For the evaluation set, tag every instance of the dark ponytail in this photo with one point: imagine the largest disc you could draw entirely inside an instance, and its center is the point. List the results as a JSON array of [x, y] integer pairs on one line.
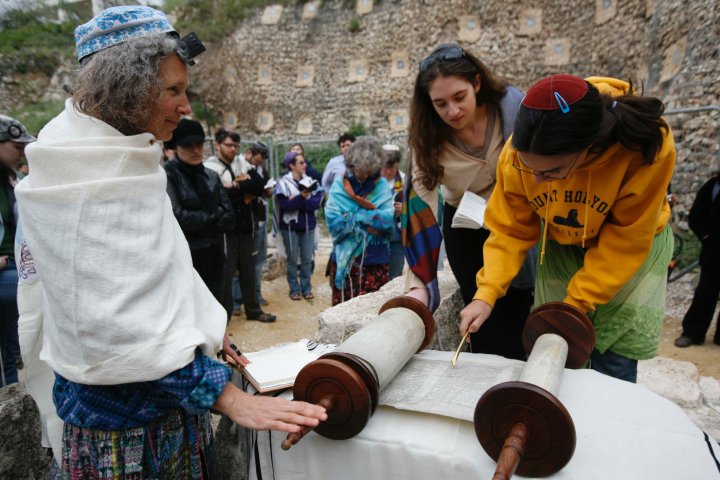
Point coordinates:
[[637, 124]]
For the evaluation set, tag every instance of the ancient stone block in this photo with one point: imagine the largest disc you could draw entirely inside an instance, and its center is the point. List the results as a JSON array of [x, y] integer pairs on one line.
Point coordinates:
[[265, 121], [672, 62], [271, 15], [357, 70], [363, 7], [363, 117], [530, 22], [469, 28], [399, 120], [22, 455], [557, 51], [230, 120], [304, 126], [310, 10], [305, 76], [399, 66], [264, 75], [605, 10]]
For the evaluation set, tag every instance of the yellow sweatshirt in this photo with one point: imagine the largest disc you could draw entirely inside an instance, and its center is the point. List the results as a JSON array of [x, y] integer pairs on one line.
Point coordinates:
[[616, 201]]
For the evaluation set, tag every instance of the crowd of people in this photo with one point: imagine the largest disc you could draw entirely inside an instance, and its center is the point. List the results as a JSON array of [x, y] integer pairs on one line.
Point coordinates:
[[125, 242]]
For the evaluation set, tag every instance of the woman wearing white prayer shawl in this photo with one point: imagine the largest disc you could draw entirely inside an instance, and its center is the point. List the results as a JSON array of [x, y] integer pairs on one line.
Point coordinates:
[[115, 324]]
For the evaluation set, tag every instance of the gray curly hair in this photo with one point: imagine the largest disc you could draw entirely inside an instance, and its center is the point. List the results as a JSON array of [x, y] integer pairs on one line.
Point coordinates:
[[366, 154], [120, 84]]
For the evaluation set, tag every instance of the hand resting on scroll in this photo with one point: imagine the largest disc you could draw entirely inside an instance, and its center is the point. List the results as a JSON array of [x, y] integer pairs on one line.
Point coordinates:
[[267, 413]]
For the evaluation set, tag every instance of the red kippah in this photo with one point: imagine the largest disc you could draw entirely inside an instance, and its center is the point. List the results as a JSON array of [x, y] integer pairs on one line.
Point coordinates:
[[558, 91]]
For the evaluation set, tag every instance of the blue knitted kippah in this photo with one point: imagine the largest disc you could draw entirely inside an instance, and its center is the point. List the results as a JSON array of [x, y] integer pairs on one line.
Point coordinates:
[[118, 24]]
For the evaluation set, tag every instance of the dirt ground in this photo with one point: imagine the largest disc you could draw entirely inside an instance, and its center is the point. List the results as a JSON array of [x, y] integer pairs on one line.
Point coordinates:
[[297, 319]]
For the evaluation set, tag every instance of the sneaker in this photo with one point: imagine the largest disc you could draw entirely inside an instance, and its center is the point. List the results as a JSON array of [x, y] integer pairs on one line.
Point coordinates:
[[264, 317], [684, 341]]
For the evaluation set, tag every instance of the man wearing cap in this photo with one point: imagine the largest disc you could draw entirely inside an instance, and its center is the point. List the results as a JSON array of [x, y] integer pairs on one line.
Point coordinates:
[[244, 185], [13, 139], [200, 204], [118, 331]]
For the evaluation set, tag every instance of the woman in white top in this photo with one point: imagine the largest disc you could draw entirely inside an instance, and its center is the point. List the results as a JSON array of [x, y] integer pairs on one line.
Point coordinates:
[[460, 118]]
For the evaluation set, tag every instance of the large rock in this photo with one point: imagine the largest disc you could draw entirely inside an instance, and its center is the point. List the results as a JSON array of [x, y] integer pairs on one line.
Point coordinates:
[[339, 322], [21, 455]]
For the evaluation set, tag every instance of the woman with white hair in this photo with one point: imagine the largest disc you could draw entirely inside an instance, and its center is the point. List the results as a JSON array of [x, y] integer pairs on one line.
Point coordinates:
[[114, 308], [359, 215]]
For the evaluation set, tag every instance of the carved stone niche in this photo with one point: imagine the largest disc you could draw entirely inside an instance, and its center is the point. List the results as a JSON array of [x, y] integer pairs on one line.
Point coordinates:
[[357, 70], [363, 7], [557, 51], [230, 120], [304, 125], [264, 75], [363, 117], [605, 10], [271, 15], [305, 76], [265, 121], [399, 120], [400, 66], [530, 22], [230, 75], [310, 10], [469, 29], [672, 63]]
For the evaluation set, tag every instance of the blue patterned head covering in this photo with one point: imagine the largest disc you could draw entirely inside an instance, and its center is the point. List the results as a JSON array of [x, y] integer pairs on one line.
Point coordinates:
[[118, 24]]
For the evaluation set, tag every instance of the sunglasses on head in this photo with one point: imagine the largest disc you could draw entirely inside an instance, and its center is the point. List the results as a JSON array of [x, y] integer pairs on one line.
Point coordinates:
[[450, 53]]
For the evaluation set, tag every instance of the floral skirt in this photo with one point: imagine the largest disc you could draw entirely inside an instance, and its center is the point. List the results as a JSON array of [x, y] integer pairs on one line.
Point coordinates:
[[175, 446], [360, 281]]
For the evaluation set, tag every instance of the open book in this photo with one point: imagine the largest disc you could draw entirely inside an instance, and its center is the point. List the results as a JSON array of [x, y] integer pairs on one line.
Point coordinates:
[[275, 368], [270, 183], [308, 184], [470, 213]]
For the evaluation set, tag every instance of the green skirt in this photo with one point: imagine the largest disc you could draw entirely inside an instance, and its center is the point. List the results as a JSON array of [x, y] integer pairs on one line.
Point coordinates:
[[630, 324]]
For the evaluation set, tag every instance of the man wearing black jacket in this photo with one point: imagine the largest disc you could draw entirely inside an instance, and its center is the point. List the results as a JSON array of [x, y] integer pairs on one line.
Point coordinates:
[[704, 221], [243, 185], [200, 204]]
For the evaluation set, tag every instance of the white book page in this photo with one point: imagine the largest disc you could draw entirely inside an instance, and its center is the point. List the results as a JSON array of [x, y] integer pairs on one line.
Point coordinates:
[[280, 365], [470, 212]]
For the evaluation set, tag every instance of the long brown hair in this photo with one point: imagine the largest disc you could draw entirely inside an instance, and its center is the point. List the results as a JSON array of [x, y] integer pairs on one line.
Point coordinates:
[[428, 132]]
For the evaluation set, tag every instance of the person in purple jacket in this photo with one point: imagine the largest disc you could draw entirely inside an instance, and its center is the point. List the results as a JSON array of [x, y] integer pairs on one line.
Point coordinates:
[[298, 196]]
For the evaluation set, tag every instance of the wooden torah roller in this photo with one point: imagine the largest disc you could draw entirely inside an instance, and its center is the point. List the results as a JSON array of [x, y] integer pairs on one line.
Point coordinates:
[[348, 380], [521, 424]]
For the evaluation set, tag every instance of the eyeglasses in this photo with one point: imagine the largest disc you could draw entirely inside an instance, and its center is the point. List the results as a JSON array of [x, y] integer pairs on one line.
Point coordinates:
[[520, 165], [231, 145], [452, 52]]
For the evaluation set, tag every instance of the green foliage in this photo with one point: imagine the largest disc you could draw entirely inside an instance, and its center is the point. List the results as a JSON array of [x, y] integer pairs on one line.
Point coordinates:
[[690, 249], [31, 39], [205, 115], [213, 19], [354, 25], [358, 128], [35, 116]]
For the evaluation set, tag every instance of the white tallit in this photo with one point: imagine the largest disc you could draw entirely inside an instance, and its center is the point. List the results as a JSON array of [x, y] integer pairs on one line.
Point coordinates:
[[120, 301]]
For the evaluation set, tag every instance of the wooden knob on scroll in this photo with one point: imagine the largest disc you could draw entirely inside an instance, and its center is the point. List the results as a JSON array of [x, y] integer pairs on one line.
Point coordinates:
[[295, 437]]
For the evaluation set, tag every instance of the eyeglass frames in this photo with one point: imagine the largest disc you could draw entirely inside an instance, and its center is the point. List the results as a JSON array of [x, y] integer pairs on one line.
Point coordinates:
[[518, 163], [452, 52]]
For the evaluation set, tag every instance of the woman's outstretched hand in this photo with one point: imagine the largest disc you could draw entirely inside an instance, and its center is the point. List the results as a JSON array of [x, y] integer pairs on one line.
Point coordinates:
[[259, 412], [473, 316]]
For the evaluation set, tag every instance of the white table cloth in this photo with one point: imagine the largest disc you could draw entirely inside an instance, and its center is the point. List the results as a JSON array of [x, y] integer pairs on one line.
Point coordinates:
[[624, 431]]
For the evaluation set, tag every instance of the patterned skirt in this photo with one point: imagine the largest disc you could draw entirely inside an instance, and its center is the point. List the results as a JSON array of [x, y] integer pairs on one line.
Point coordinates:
[[360, 281], [175, 446]]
